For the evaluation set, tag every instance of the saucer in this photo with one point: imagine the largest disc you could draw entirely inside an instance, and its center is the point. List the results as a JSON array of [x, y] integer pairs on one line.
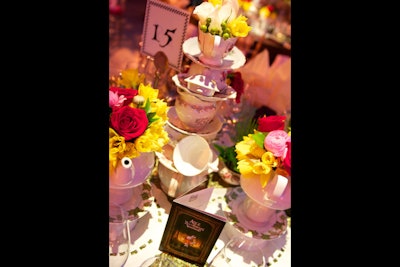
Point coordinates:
[[166, 158], [226, 93], [212, 128], [234, 60], [140, 203], [273, 229]]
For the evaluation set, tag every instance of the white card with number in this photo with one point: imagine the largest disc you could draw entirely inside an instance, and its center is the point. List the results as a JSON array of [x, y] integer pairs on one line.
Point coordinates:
[[164, 30]]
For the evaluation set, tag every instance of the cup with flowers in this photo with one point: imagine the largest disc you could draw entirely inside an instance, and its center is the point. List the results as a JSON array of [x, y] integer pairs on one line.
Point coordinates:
[[264, 162], [136, 128], [220, 24]]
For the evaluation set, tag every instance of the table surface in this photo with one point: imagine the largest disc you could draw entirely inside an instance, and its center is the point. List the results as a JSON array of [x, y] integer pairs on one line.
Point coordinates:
[[146, 234]]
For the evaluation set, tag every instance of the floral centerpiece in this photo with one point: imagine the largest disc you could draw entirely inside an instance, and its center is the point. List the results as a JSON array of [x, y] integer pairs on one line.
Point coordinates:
[[221, 17], [219, 24], [137, 118], [266, 150]]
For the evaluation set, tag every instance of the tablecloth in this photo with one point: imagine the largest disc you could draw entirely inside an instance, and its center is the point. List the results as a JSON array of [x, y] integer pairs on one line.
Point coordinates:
[[147, 233]]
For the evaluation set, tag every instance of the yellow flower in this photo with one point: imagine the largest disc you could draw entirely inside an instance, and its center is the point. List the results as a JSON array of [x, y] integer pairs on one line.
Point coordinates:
[[148, 92], [268, 158], [239, 27], [245, 5], [118, 148], [253, 159], [245, 166], [249, 167], [160, 107], [130, 78], [215, 2], [264, 12], [221, 18], [154, 138]]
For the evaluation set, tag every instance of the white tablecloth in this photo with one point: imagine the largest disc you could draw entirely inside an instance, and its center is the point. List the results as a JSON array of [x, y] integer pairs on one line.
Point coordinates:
[[147, 233]]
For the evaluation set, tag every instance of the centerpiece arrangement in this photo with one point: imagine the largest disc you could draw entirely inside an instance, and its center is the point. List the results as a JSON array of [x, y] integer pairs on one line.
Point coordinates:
[[220, 24], [137, 118], [205, 85], [263, 160], [136, 132], [265, 151]]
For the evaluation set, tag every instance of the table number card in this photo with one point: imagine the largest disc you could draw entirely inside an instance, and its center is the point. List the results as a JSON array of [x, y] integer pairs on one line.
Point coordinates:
[[191, 232], [164, 30]]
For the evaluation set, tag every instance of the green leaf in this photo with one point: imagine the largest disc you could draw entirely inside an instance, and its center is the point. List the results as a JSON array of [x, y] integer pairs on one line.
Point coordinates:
[[244, 128], [228, 156], [259, 138], [147, 106]]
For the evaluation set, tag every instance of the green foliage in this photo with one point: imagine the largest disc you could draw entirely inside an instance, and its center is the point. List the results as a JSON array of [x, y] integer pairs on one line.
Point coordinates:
[[244, 128], [228, 155], [150, 115], [259, 138]]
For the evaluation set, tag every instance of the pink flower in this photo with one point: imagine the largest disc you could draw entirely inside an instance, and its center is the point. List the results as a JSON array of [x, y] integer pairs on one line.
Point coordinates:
[[128, 93], [114, 100], [275, 142]]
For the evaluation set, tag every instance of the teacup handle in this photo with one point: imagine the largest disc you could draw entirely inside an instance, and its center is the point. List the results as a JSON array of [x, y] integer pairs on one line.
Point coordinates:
[[276, 187]]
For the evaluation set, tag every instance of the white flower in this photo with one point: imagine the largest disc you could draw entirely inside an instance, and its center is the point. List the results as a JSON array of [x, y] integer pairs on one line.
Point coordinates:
[[218, 11]]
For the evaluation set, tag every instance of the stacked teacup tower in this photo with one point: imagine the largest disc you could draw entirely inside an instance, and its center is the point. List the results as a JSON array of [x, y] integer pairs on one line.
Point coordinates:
[[202, 89]]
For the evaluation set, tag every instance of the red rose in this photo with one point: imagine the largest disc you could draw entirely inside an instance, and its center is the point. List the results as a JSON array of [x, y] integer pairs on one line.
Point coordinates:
[[129, 122], [271, 123], [287, 162], [237, 83], [128, 93]]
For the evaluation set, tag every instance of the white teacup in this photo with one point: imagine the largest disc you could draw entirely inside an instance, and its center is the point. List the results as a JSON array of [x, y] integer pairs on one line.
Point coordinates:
[[193, 112], [192, 155], [214, 48]]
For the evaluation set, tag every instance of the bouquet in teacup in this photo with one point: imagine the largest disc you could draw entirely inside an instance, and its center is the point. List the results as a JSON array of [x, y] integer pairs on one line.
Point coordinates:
[[221, 17], [137, 117], [266, 150]]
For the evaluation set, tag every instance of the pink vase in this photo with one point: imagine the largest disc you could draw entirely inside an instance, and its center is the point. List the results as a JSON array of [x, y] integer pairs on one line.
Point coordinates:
[[261, 203]]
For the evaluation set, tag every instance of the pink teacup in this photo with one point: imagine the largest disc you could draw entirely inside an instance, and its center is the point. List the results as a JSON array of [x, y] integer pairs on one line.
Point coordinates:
[[214, 48]]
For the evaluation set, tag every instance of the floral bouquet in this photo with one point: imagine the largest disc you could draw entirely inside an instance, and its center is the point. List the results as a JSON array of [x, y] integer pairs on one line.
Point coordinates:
[[137, 118], [221, 17], [266, 150]]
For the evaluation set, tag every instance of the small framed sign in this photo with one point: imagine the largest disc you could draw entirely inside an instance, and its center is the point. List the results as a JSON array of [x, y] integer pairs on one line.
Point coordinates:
[[191, 232], [164, 30]]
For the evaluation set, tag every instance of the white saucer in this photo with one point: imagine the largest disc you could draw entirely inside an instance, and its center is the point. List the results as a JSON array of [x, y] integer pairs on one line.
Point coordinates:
[[225, 94], [234, 60], [212, 128], [273, 229], [165, 157], [140, 203]]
